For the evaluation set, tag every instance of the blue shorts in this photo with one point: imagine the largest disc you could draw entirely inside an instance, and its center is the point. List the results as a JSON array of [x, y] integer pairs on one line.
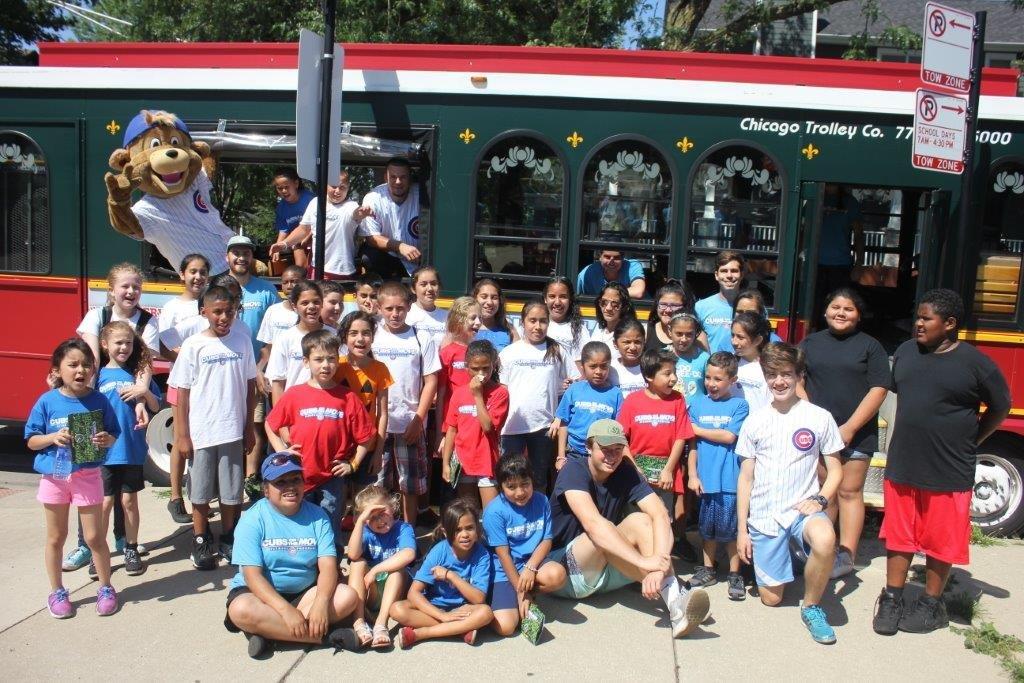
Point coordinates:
[[582, 585], [503, 596], [773, 558], [330, 496], [717, 519]]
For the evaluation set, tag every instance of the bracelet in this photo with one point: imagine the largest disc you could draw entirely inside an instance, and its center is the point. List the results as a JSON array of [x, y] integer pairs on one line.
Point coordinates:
[[446, 574], [532, 569]]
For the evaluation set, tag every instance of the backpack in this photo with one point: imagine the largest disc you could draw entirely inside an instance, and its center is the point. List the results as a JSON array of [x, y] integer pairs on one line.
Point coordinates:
[[107, 314]]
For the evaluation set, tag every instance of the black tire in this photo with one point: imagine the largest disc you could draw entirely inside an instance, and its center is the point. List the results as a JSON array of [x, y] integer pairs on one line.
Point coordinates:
[[997, 506]]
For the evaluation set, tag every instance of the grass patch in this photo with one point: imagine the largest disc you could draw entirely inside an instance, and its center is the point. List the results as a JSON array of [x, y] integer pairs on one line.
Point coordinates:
[[162, 492], [986, 639], [983, 540]]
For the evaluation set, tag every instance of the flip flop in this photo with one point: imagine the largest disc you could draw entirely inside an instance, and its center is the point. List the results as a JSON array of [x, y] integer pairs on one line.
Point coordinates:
[[381, 638]]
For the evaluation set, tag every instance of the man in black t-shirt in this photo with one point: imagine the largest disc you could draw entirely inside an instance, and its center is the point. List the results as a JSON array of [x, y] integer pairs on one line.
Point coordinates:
[[602, 547], [941, 384]]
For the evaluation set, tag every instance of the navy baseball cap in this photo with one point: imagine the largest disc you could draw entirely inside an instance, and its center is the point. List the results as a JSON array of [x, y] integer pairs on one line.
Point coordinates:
[[279, 464], [137, 126]]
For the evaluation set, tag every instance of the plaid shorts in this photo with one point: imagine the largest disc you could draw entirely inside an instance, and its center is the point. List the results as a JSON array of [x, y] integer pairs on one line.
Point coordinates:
[[404, 467]]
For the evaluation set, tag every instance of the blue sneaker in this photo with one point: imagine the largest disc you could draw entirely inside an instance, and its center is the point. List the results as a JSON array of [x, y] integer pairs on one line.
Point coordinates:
[[119, 544], [76, 559], [817, 623]]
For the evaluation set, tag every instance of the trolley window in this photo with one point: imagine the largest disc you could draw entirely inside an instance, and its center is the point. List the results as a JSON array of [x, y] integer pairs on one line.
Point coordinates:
[[736, 203], [518, 222], [1002, 243], [25, 198], [627, 207]]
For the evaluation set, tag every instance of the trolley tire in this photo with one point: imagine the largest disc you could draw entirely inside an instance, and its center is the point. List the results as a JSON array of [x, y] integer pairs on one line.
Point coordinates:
[[997, 506], [160, 439]]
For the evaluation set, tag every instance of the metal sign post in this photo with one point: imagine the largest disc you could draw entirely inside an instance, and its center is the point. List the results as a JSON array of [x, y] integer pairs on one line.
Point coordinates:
[[963, 272]]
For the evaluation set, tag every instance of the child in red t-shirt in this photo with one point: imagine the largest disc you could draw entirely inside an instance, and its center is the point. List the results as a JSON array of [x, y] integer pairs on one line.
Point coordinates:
[[657, 427], [462, 325], [476, 413], [326, 424]]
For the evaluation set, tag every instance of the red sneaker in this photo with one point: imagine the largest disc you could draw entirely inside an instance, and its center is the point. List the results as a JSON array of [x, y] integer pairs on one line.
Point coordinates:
[[406, 637], [348, 523], [470, 637]]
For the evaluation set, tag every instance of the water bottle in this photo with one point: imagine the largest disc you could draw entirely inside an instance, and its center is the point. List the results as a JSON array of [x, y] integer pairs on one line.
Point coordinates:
[[62, 464]]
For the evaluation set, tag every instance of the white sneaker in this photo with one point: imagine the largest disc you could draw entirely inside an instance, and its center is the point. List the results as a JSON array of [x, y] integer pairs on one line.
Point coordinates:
[[688, 611], [843, 565]]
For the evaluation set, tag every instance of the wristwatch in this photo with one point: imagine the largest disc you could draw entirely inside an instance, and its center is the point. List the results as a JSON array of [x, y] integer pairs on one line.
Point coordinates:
[[820, 500]]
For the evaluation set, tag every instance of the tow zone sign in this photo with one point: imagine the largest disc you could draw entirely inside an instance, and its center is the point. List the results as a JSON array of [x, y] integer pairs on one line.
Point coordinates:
[[940, 121], [948, 47]]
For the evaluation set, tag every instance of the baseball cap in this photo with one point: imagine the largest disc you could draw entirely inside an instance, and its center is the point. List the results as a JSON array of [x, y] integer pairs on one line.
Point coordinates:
[[137, 126], [279, 464], [606, 433], [241, 241]]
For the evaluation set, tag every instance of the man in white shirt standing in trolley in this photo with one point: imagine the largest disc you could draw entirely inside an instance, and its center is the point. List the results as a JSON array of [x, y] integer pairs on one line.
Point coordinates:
[[778, 500], [392, 227]]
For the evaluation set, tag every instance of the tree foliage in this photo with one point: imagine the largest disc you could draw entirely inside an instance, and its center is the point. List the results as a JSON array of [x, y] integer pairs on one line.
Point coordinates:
[[586, 23], [23, 22], [742, 17]]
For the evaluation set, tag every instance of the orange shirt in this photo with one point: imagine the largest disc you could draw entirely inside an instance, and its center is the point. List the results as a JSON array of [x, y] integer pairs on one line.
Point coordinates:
[[367, 382]]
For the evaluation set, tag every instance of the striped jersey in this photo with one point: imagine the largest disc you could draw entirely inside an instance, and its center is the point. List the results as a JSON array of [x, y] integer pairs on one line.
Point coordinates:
[[399, 222], [184, 224], [785, 449]]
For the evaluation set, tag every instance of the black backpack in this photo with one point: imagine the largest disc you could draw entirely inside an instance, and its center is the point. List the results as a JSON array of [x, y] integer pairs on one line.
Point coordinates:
[[107, 313]]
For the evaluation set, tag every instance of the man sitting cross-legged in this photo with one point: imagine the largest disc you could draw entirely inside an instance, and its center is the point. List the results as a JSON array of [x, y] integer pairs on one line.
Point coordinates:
[[602, 547]]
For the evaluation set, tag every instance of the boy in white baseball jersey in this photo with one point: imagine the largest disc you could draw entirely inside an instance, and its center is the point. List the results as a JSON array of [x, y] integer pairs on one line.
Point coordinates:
[[778, 500]]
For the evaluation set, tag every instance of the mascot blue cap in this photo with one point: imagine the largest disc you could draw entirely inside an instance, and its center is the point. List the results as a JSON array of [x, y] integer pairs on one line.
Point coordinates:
[[137, 126]]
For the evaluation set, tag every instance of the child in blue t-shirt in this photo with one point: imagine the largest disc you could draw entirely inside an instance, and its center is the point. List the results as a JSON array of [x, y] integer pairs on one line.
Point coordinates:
[[518, 528], [684, 328], [124, 358], [716, 311], [714, 468], [452, 581], [585, 402], [70, 468], [381, 549]]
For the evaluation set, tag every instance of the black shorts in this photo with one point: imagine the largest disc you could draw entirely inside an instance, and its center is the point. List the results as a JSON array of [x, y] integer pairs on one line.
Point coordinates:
[[122, 479], [293, 598]]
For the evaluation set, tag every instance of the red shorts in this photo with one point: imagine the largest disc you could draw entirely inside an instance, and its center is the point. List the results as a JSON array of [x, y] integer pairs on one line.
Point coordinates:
[[680, 480], [936, 523]]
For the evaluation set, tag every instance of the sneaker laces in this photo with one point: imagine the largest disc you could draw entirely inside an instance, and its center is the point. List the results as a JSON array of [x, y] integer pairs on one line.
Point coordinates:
[[886, 605], [106, 592], [815, 615], [61, 595]]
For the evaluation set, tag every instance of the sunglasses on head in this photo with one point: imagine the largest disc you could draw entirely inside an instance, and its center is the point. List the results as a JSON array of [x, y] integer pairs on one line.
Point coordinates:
[[279, 459]]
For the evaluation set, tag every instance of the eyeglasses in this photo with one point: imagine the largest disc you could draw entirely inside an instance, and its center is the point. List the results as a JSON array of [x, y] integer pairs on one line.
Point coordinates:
[[670, 308], [609, 303]]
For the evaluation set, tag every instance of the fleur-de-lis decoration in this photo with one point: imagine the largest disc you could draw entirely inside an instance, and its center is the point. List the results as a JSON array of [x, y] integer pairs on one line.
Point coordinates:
[[575, 139], [467, 136], [113, 127], [684, 145], [810, 151]]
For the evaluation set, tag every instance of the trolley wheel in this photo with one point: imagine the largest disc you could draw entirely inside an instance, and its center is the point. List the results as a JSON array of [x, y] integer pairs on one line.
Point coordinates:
[[160, 438], [997, 506]]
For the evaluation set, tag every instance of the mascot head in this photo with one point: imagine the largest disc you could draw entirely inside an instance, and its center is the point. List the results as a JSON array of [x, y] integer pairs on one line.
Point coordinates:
[[159, 151]]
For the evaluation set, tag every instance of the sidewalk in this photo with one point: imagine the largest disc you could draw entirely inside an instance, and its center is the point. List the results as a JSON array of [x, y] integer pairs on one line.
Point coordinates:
[[170, 627]]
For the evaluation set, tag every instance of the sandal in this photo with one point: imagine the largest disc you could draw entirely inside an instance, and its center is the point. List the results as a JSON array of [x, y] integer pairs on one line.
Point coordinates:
[[364, 634], [381, 638]]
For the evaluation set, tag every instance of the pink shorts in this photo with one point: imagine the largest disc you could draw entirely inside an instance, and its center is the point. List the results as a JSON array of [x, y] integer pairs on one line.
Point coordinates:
[[83, 489], [172, 395]]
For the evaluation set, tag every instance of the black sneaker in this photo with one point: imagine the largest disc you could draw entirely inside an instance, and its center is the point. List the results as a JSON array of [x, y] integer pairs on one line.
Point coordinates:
[[685, 551], [928, 614], [177, 509], [133, 565], [703, 577], [737, 591], [226, 546], [258, 645], [202, 554], [93, 574], [888, 613]]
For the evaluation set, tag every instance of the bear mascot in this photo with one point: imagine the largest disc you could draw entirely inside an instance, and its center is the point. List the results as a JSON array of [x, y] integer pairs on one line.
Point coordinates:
[[175, 215]]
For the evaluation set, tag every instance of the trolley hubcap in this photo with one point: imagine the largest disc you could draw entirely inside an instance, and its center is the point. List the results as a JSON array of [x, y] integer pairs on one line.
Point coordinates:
[[997, 490]]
